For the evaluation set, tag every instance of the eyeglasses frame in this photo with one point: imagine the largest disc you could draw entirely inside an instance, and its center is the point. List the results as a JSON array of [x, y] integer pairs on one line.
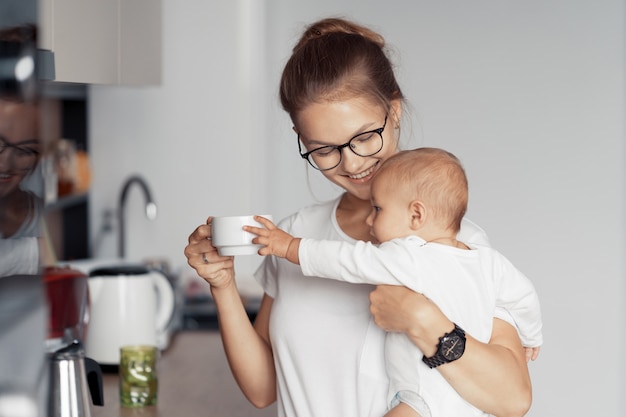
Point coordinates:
[[4, 145], [340, 148]]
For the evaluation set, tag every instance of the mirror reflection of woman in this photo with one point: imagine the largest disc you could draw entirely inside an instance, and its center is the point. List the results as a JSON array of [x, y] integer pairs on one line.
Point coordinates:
[[316, 346], [19, 154], [20, 209]]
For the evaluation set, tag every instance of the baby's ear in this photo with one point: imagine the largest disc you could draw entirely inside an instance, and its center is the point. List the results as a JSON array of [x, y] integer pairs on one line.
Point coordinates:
[[417, 212]]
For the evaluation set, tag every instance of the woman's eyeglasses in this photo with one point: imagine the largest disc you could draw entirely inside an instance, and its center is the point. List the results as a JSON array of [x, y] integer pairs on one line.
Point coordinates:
[[328, 157], [23, 156]]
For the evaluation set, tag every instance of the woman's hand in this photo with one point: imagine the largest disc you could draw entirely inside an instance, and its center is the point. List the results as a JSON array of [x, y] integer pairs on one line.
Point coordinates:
[[399, 309], [218, 271]]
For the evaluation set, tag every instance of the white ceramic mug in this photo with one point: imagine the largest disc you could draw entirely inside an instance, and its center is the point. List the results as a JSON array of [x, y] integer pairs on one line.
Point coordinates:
[[229, 237]]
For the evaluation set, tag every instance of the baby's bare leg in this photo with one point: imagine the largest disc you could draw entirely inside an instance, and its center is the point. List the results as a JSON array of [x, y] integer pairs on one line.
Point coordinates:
[[402, 410]]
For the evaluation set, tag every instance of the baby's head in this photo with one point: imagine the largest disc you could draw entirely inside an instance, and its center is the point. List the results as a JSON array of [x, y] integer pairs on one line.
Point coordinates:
[[432, 176]]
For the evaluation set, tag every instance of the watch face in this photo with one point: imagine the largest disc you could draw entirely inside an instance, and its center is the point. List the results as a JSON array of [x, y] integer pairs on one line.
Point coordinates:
[[452, 347]]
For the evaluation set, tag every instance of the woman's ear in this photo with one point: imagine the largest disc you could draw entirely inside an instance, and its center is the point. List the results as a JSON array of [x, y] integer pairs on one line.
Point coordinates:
[[418, 214], [396, 113]]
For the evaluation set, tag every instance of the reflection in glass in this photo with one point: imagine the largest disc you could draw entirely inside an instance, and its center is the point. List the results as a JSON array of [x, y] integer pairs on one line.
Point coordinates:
[[23, 311], [20, 207]]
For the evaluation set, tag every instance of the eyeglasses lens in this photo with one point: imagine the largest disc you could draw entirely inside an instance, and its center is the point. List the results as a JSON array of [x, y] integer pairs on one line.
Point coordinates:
[[328, 157], [22, 157]]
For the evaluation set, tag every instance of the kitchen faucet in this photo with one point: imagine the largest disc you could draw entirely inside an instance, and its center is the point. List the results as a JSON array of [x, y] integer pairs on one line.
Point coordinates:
[[151, 208]]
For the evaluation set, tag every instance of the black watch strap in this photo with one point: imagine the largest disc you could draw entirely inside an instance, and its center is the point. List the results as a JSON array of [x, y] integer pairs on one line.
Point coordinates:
[[451, 347]]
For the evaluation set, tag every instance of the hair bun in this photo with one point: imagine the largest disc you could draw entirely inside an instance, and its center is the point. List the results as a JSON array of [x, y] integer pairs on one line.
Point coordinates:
[[337, 26]]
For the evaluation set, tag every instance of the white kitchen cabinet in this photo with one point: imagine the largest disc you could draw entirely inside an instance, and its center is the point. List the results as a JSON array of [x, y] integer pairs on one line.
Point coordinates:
[[140, 46], [103, 41]]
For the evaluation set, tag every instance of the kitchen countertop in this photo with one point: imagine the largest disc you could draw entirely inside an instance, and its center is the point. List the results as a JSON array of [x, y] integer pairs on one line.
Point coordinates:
[[194, 380]]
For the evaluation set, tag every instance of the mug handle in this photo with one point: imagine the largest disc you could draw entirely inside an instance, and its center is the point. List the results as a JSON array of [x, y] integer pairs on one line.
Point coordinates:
[[165, 301]]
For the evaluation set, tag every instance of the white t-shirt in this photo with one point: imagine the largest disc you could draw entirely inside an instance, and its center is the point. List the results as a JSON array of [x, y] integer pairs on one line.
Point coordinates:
[[19, 256], [328, 353], [467, 285], [19, 253]]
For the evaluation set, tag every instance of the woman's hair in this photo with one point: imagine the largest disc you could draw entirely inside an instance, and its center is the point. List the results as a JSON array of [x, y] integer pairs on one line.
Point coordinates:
[[336, 59], [433, 176]]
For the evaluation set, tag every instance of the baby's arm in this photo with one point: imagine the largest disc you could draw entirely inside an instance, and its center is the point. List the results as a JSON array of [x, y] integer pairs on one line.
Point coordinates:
[[531, 353], [276, 241], [516, 294], [360, 263]]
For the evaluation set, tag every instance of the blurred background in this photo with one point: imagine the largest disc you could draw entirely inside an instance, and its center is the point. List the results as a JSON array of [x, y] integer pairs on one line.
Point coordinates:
[[530, 95]]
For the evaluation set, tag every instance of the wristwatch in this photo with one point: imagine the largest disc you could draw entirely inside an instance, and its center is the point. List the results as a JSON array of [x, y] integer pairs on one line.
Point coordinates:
[[450, 348]]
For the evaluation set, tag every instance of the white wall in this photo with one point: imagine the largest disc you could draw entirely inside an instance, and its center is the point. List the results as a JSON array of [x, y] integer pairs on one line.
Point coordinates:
[[529, 94], [189, 138]]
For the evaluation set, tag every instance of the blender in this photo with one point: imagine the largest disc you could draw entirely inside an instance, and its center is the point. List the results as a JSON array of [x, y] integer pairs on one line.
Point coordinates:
[[74, 378]]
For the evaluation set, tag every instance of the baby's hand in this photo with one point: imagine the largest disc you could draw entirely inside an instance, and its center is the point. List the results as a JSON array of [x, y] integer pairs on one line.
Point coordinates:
[[531, 353], [275, 240]]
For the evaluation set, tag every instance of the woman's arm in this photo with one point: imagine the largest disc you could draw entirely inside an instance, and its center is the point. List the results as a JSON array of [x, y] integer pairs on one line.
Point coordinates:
[[247, 347], [491, 376]]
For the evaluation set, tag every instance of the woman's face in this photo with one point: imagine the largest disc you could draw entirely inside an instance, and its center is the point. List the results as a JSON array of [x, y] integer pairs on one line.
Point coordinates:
[[19, 144], [335, 123]]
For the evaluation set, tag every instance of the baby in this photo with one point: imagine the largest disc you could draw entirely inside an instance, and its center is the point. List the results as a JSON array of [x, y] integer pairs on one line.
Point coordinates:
[[419, 198]]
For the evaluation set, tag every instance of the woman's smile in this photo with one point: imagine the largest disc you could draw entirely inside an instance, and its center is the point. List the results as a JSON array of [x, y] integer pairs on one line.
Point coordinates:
[[8, 175], [364, 175]]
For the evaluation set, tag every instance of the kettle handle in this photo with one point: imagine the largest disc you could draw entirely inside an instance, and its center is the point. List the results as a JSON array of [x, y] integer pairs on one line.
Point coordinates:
[[94, 380], [165, 305]]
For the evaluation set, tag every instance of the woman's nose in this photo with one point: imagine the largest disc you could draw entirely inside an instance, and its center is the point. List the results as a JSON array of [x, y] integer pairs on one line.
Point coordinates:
[[350, 160], [5, 156], [8, 160]]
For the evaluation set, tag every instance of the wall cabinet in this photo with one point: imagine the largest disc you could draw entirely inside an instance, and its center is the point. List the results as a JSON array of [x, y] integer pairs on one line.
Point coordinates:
[[115, 42]]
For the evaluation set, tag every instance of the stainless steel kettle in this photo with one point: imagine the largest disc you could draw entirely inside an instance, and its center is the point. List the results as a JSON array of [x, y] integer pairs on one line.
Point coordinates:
[[73, 379]]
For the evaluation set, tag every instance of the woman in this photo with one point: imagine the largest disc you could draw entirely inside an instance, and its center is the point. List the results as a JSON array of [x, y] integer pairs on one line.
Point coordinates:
[[313, 346], [20, 210]]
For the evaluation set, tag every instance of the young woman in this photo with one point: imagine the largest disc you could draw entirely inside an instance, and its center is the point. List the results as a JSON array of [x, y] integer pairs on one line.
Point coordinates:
[[20, 210], [316, 346]]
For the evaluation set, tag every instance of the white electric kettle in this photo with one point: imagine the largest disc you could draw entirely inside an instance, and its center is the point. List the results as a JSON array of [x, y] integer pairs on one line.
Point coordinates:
[[130, 305]]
